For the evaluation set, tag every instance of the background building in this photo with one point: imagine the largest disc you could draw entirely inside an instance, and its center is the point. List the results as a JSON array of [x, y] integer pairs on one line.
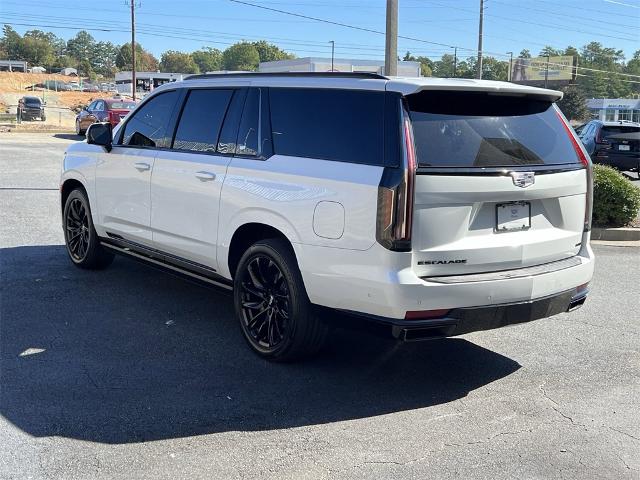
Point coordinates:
[[145, 81], [317, 64], [615, 109]]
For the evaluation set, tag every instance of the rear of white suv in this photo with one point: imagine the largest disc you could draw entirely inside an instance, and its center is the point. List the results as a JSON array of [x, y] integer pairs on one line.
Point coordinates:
[[486, 222], [430, 207]]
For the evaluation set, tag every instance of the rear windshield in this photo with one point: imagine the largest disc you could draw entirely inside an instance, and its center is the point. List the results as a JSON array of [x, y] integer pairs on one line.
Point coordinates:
[[460, 129], [617, 130], [122, 105]]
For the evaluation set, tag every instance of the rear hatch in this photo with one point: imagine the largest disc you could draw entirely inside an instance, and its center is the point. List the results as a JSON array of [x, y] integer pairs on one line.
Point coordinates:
[[623, 140], [500, 184]]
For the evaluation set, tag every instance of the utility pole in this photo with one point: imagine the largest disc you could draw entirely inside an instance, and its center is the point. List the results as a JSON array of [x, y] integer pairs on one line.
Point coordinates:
[[546, 73], [510, 72], [133, 48], [455, 62], [333, 47], [391, 43], [480, 39]]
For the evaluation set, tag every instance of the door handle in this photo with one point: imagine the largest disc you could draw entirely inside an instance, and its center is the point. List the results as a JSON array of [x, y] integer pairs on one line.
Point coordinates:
[[205, 176], [142, 166]]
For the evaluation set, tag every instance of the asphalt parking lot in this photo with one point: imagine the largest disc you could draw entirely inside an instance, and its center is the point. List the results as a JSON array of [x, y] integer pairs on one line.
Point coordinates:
[[132, 373]]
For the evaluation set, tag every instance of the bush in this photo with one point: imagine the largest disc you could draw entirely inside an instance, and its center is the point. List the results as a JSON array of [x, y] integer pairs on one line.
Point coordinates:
[[616, 200]]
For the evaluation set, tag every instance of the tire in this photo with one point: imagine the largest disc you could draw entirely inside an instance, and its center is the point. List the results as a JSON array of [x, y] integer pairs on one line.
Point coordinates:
[[277, 319], [79, 131], [43, 118], [80, 236]]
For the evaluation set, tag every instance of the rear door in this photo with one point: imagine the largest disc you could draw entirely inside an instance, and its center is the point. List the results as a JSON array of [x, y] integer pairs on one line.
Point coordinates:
[[499, 184], [187, 180]]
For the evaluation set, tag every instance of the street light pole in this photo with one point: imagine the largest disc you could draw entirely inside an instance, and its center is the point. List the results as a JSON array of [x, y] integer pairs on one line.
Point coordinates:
[[333, 46], [546, 73], [391, 44], [133, 48], [455, 62], [480, 27], [510, 73]]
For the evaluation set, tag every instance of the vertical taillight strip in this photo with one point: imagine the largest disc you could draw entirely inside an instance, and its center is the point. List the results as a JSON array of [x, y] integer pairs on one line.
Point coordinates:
[[396, 191], [584, 158]]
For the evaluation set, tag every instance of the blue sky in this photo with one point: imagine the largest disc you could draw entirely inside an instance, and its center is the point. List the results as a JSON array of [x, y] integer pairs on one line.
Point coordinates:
[[187, 25]]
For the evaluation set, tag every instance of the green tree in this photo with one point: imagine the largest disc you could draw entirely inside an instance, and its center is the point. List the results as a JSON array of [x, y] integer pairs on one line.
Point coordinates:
[[145, 62], [268, 52], [241, 56], [550, 52], [103, 58], [81, 46], [633, 68], [426, 64], [208, 59], [524, 53], [37, 48], [173, 61], [11, 43], [574, 103]]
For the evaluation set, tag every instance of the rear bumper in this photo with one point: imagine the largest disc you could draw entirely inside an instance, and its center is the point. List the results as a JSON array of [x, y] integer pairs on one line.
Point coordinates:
[[621, 161], [377, 284], [466, 320]]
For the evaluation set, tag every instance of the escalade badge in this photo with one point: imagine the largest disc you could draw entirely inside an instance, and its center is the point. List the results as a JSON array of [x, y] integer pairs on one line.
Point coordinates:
[[523, 179]]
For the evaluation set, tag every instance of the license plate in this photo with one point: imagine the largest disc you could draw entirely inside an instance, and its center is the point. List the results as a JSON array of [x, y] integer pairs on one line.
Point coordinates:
[[624, 147], [513, 216]]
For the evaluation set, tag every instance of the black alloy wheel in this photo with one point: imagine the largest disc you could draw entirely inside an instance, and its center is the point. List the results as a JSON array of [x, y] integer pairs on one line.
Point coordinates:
[[77, 230], [81, 239], [265, 303], [277, 319]]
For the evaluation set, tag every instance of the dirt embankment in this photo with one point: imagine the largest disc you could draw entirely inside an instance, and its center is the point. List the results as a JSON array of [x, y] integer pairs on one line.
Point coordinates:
[[14, 85]]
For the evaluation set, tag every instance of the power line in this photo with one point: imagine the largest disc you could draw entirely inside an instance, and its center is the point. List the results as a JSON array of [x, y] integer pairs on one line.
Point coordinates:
[[563, 15], [544, 25]]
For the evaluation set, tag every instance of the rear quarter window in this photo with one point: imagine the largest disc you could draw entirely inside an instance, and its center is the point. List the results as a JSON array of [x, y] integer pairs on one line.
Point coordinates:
[[469, 129], [329, 124]]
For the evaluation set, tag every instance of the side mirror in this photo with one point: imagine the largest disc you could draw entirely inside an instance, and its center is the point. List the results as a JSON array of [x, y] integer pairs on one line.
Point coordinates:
[[100, 134]]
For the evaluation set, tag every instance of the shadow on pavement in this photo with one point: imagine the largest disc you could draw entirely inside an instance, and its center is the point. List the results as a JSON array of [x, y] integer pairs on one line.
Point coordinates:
[[131, 354], [70, 136]]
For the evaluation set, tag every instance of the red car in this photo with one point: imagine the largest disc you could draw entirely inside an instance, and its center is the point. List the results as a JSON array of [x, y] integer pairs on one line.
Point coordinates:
[[110, 110]]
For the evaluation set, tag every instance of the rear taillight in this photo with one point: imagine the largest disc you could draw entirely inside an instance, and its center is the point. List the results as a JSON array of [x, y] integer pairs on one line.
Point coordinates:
[[396, 196], [114, 118], [586, 162]]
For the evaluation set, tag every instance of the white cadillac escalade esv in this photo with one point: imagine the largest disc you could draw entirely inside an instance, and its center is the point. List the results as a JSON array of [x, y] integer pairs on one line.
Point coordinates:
[[432, 207]]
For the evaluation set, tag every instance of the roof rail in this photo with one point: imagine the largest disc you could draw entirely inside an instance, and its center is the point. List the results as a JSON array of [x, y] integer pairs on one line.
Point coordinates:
[[288, 74]]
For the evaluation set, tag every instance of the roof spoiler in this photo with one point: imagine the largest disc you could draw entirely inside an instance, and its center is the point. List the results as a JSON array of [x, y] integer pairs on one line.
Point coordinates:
[[469, 85]]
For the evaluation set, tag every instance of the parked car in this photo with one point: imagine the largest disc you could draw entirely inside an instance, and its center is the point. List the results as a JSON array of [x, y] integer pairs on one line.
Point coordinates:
[[30, 108], [428, 207], [616, 144], [103, 110]]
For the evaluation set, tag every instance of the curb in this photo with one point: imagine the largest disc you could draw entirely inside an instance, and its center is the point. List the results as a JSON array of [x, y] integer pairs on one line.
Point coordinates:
[[616, 234]]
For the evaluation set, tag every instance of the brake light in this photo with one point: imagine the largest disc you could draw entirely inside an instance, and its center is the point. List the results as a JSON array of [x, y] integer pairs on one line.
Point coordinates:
[[586, 162], [395, 202]]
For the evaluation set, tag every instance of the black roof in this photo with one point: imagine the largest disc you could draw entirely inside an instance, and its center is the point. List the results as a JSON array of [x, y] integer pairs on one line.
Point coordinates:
[[289, 74]]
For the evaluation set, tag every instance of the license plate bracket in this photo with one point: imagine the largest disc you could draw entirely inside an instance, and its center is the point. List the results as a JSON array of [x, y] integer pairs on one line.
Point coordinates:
[[513, 216]]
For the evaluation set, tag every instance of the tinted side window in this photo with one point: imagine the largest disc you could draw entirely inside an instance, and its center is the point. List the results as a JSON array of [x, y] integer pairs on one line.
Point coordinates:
[[201, 120], [331, 124], [148, 126]]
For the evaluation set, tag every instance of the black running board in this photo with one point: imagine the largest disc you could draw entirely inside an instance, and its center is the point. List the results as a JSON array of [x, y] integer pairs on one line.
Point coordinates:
[[168, 262]]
